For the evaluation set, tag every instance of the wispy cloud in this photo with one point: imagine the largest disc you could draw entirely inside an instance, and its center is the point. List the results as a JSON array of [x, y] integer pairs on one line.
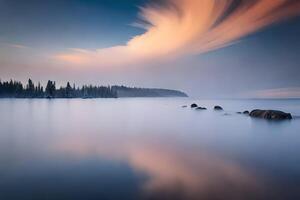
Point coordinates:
[[290, 92], [78, 50], [184, 27], [18, 46]]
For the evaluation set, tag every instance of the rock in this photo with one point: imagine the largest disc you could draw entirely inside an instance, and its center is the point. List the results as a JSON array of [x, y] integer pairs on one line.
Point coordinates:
[[218, 108], [246, 112], [201, 108], [194, 105], [184, 106], [270, 114]]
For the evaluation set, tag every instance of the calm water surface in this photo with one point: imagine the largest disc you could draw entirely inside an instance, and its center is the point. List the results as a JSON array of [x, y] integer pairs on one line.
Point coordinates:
[[146, 149]]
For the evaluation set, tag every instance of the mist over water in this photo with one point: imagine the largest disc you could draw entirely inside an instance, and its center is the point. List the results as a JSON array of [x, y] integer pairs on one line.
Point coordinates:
[[146, 148]]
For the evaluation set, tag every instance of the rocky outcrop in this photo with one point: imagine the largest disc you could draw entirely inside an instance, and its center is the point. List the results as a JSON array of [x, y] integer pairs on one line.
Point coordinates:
[[218, 108], [201, 108], [270, 114], [194, 105], [246, 112]]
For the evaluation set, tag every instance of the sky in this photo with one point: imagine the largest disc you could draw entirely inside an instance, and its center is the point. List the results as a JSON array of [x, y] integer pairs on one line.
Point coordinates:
[[207, 48]]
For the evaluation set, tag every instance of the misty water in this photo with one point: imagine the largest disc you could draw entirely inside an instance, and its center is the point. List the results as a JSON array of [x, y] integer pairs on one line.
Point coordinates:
[[146, 148]]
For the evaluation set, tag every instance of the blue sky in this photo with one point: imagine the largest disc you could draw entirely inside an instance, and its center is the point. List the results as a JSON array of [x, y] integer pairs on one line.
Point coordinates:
[[61, 23], [34, 33]]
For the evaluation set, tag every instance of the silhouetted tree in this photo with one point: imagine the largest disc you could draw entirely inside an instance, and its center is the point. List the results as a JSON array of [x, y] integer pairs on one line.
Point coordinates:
[[30, 88], [15, 89], [69, 90], [50, 89]]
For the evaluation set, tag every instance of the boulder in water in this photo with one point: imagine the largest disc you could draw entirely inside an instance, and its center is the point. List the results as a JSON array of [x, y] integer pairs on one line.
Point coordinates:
[[218, 108], [246, 112], [270, 114], [194, 105], [201, 108]]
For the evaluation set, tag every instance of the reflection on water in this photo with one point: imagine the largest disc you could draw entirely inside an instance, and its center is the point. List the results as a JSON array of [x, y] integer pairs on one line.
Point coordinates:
[[146, 149], [173, 169]]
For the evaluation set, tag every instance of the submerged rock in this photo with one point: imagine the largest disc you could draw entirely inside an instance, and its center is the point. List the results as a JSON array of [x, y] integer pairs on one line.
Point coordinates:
[[246, 112], [201, 108], [194, 105], [270, 114], [184, 106], [218, 108], [239, 112]]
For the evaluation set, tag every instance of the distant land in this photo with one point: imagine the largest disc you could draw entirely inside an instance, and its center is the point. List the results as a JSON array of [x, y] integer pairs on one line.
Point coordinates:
[[15, 89], [123, 91]]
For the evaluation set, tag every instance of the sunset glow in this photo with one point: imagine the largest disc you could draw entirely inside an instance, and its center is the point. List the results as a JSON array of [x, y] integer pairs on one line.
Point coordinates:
[[149, 99], [184, 27]]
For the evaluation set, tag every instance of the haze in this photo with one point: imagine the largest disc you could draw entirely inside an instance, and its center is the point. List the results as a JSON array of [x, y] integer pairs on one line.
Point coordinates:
[[209, 49]]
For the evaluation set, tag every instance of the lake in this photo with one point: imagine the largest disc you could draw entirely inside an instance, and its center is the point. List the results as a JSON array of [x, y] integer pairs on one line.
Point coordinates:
[[146, 148]]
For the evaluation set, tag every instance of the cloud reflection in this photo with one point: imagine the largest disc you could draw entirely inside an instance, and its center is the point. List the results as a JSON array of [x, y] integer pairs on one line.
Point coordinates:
[[173, 170]]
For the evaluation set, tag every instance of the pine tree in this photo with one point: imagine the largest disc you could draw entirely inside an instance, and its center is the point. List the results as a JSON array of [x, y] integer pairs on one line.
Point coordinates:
[[50, 89], [30, 88], [68, 90]]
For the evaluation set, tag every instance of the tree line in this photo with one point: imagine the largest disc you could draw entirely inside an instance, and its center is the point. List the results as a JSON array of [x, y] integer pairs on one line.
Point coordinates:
[[124, 91], [15, 89]]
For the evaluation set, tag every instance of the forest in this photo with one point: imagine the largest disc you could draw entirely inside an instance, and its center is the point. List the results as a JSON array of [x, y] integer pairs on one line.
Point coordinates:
[[15, 89]]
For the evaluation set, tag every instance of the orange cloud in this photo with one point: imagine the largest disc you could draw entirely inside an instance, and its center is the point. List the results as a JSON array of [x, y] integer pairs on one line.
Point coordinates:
[[292, 92], [184, 27], [18, 46]]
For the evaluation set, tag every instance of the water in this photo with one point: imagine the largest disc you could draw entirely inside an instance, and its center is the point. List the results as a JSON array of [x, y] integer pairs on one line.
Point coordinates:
[[148, 148]]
